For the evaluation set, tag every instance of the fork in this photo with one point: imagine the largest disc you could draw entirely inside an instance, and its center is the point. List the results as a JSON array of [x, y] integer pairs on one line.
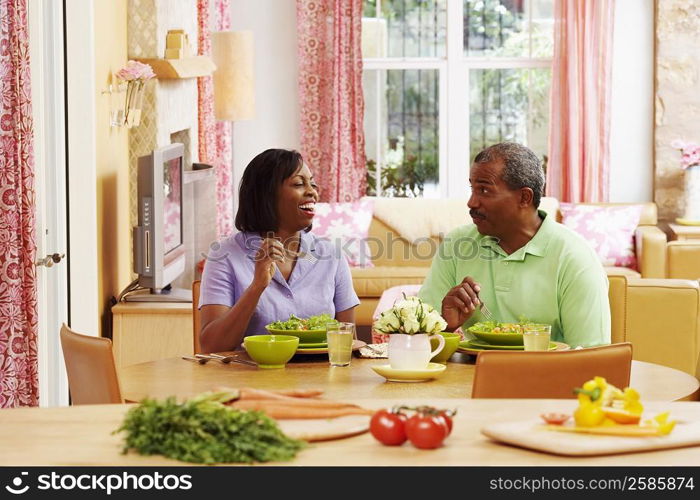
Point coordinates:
[[225, 359], [485, 311], [201, 361]]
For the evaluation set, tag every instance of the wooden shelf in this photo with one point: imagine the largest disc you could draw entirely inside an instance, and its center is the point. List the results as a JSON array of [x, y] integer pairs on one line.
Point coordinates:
[[190, 67]]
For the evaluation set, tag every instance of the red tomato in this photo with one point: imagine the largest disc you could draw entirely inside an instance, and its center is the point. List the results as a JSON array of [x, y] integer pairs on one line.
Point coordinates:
[[555, 418], [426, 431], [388, 428], [448, 421]]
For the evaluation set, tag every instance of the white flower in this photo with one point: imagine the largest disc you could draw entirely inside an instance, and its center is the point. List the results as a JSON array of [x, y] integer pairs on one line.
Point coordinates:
[[407, 303], [387, 322], [410, 316], [410, 322], [434, 322]]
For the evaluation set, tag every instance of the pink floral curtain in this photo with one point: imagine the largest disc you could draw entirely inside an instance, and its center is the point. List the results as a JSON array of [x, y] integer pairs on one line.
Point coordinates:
[[330, 96], [19, 385], [215, 136], [579, 130]]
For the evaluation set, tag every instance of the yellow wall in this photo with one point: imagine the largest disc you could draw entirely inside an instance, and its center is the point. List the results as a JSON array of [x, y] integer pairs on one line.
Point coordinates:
[[113, 233]]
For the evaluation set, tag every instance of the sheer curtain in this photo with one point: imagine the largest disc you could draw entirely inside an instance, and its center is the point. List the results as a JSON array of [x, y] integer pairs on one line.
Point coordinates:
[[579, 138], [330, 96], [215, 136], [19, 384]]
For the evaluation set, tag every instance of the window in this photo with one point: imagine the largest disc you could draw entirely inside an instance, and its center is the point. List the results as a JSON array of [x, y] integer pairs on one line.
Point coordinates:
[[445, 78]]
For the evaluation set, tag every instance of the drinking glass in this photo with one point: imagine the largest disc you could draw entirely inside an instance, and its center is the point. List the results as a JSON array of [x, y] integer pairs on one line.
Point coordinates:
[[536, 337], [340, 337]]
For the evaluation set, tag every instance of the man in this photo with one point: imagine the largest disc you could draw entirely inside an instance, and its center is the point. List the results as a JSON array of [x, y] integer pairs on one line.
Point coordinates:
[[517, 259]]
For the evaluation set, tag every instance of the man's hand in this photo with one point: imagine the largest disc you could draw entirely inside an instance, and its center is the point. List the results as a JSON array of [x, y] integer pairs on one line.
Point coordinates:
[[460, 303]]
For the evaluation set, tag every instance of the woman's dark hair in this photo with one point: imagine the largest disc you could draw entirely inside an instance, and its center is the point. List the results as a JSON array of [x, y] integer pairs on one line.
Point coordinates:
[[257, 194]]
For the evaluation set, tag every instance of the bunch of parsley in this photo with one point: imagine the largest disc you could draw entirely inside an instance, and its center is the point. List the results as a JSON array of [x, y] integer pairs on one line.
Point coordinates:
[[203, 430]]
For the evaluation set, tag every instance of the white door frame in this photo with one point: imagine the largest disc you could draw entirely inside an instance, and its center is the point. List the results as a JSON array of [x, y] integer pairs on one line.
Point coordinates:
[[82, 165]]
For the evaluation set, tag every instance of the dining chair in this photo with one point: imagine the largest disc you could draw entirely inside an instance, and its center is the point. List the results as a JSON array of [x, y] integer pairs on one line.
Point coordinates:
[[92, 374], [195, 316], [552, 375]]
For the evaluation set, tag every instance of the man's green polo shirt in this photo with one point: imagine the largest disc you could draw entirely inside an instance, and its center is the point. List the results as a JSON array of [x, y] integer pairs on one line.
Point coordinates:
[[556, 278]]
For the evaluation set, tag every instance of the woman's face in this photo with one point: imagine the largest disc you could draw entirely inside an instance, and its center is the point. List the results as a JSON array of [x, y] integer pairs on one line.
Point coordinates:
[[296, 200]]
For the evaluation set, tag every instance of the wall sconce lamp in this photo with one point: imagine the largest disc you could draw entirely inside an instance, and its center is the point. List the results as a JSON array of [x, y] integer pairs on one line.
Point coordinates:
[[234, 85]]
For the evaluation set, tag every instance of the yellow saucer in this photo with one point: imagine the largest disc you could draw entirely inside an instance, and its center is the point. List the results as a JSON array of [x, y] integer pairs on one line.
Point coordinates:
[[687, 222], [434, 370]]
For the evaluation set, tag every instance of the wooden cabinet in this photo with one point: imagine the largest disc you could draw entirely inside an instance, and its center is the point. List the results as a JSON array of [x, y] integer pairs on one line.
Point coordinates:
[[148, 331]]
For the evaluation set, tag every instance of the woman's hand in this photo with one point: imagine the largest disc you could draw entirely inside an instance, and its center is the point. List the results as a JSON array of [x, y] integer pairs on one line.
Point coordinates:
[[460, 303], [270, 251]]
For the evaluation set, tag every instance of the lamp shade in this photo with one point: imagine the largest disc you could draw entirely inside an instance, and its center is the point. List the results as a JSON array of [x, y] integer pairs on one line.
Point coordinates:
[[234, 89]]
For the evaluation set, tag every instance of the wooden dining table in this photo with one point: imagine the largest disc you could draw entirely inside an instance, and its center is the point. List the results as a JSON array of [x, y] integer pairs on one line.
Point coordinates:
[[83, 436], [183, 379]]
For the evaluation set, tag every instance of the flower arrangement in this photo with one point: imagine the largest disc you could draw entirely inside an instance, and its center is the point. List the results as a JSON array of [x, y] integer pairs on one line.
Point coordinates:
[[410, 316], [690, 153], [135, 74], [135, 70]]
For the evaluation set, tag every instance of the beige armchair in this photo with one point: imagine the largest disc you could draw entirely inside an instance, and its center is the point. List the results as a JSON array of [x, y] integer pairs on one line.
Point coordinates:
[[683, 259], [660, 317]]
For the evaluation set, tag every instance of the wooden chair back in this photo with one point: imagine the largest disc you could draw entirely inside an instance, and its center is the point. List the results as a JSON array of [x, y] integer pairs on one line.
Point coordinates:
[[92, 374], [553, 375]]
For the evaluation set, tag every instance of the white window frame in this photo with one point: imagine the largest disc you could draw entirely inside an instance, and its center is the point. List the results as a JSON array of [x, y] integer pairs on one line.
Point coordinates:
[[453, 106]]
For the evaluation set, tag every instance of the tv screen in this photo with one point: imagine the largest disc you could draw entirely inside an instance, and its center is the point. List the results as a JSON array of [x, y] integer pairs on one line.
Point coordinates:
[[159, 250], [172, 204]]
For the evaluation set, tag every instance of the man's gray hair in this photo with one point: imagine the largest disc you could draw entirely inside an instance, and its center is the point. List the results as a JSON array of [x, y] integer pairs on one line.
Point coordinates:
[[521, 169]]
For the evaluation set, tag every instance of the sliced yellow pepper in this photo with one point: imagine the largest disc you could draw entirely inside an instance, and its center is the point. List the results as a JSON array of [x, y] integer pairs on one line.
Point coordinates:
[[588, 414], [631, 401]]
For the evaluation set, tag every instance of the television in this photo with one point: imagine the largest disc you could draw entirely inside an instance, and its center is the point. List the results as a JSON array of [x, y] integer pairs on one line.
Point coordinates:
[[158, 242]]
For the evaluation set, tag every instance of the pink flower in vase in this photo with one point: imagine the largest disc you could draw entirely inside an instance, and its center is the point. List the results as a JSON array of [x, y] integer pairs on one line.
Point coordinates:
[[135, 70], [135, 74], [690, 153]]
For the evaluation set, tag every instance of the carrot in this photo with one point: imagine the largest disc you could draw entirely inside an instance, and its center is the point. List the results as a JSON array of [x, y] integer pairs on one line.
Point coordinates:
[[301, 393], [250, 393], [297, 402], [283, 411]]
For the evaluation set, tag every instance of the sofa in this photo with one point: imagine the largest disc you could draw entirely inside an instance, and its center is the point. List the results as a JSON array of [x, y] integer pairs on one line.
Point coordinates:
[[404, 234], [660, 317], [683, 259]]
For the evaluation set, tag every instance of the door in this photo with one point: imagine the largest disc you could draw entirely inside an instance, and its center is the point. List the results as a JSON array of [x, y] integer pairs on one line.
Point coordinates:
[[47, 69]]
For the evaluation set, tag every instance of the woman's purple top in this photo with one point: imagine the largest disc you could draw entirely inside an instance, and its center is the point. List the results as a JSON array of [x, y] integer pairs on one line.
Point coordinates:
[[320, 285]]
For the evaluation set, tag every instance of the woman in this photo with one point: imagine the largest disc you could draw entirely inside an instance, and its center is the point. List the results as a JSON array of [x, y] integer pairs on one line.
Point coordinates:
[[274, 267]]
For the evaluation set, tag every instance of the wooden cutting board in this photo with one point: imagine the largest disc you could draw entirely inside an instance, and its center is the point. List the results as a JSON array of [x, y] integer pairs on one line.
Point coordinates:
[[534, 435], [325, 429]]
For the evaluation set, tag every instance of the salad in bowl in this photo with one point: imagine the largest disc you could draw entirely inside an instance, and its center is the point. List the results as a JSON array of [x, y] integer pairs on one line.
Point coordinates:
[[497, 333], [309, 330]]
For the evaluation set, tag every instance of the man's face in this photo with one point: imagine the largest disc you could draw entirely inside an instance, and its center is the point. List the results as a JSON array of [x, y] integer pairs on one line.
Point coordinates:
[[493, 206]]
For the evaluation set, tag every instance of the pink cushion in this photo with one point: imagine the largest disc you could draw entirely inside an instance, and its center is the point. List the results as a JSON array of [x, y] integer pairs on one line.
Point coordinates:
[[346, 226], [609, 230]]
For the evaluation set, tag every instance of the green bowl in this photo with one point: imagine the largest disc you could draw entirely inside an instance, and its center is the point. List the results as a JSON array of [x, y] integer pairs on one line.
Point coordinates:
[[304, 336], [271, 351], [497, 338], [451, 345]]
